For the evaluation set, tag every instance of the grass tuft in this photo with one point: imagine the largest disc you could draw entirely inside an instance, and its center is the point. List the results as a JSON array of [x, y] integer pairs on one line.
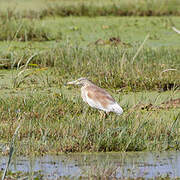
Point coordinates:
[[25, 30]]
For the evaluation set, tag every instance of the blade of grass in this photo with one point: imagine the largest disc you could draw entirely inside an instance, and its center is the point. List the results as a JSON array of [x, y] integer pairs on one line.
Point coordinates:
[[176, 30], [11, 151], [141, 46], [166, 70], [19, 28]]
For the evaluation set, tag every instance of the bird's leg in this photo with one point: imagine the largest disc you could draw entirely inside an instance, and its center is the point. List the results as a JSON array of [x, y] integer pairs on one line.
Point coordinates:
[[103, 114], [106, 115]]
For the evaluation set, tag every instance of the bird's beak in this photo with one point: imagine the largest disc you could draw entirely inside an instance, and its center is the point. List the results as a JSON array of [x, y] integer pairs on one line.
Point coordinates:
[[72, 82]]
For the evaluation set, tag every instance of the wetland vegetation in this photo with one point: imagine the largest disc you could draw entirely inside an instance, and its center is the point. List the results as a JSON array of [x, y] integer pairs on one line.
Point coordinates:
[[40, 52], [44, 8], [121, 166]]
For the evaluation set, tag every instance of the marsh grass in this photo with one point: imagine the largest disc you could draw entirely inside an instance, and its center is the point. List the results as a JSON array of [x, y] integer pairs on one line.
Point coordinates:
[[59, 122], [90, 8], [25, 30], [112, 66], [55, 119], [76, 30]]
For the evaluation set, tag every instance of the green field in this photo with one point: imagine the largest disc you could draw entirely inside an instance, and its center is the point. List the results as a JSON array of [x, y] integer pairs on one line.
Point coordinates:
[[137, 59]]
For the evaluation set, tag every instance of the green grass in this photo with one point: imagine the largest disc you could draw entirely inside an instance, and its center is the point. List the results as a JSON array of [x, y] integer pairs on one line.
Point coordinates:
[[44, 8], [112, 67], [75, 47], [39, 56], [55, 120], [76, 30]]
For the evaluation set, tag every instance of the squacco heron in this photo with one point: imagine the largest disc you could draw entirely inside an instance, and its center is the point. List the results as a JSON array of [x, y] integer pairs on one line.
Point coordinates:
[[97, 97]]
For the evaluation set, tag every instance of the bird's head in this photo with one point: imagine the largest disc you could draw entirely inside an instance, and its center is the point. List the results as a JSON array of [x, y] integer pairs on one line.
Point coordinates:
[[81, 81]]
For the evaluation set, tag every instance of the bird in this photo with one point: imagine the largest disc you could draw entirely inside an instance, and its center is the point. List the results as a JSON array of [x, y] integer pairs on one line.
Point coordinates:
[[97, 97]]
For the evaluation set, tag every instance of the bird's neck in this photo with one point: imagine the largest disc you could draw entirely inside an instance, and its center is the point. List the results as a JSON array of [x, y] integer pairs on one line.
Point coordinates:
[[87, 85]]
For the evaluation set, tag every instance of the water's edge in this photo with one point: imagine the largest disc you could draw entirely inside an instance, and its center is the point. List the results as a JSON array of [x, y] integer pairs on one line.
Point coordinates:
[[119, 165]]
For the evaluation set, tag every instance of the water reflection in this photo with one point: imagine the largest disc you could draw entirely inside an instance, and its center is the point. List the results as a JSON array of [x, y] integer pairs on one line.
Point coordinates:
[[118, 165]]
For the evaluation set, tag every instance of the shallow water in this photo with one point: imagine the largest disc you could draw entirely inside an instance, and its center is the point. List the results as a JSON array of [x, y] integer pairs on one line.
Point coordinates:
[[119, 165]]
